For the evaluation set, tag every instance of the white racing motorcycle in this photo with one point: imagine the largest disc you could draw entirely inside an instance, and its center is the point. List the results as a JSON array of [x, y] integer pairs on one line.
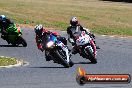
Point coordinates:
[[86, 47]]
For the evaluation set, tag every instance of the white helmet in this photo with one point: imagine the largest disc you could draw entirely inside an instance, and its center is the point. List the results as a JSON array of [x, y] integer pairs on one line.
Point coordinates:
[[2, 17], [38, 28]]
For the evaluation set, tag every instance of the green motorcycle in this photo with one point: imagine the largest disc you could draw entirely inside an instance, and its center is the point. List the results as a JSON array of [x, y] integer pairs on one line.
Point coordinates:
[[14, 36]]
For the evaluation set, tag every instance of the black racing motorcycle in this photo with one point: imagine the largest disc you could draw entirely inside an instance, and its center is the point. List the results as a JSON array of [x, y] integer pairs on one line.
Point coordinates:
[[58, 52]]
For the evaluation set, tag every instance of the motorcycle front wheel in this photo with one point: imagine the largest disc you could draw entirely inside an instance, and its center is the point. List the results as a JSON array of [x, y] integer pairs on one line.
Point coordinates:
[[23, 41], [62, 58], [91, 56]]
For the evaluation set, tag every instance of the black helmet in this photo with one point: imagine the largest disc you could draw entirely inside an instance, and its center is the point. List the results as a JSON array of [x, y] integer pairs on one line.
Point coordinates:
[[38, 29], [73, 21]]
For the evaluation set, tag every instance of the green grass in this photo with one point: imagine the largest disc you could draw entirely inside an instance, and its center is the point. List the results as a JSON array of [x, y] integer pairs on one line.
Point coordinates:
[[99, 16], [5, 61], [112, 31]]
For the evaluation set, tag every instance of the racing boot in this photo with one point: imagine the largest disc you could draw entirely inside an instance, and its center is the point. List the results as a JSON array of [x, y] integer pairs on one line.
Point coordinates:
[[3, 37], [74, 50], [97, 47], [47, 56]]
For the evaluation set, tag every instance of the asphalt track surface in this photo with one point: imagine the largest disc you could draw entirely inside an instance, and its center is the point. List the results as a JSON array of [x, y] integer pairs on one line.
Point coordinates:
[[115, 56]]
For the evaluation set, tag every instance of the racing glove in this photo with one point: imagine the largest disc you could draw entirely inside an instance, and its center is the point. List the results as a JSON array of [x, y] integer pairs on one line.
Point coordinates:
[[71, 41]]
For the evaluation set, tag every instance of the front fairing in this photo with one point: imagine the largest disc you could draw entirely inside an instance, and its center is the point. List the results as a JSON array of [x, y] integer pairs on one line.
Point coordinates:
[[83, 39], [49, 39], [14, 30]]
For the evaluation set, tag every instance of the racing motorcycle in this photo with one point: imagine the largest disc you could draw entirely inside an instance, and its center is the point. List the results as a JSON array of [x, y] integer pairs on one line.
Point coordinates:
[[86, 47], [58, 52], [14, 36]]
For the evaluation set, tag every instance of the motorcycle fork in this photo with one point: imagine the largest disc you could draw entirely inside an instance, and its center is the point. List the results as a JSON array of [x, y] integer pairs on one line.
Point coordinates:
[[81, 51], [94, 47], [67, 54], [18, 41]]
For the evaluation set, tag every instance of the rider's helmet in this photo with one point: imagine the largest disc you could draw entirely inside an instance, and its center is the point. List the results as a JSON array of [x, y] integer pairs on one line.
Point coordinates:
[[74, 21], [3, 18], [38, 29]]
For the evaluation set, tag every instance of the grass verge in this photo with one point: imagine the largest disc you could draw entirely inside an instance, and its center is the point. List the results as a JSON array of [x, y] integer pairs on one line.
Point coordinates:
[[5, 61], [102, 17]]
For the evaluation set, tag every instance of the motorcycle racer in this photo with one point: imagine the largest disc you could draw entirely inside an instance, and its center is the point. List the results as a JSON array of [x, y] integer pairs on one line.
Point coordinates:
[[75, 29], [4, 24], [40, 32]]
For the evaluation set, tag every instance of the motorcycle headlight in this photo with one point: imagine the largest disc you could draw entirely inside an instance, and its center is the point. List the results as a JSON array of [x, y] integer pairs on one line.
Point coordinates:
[[49, 44]]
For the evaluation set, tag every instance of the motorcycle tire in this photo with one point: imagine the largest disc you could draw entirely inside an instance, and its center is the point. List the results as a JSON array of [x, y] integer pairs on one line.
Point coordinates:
[[91, 56], [63, 61], [23, 42]]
